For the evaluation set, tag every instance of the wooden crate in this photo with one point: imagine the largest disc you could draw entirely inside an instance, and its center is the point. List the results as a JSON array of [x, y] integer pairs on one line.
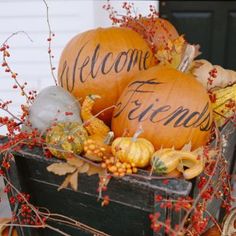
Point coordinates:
[[132, 198]]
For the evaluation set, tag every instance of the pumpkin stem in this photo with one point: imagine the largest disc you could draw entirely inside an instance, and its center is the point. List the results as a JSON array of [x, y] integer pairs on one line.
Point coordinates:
[[191, 51], [109, 138], [137, 133], [93, 96]]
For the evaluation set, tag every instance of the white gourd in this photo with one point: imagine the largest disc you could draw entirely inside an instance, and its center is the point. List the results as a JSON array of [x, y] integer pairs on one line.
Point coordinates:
[[51, 105], [223, 78]]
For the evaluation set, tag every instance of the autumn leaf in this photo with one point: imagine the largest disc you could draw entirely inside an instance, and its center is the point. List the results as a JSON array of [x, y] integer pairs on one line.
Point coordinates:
[[61, 168], [65, 183], [84, 168], [93, 170], [76, 162], [74, 180]]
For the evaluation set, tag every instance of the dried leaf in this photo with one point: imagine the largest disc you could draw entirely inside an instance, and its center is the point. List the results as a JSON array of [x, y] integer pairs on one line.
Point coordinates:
[[65, 183], [96, 170], [84, 168], [187, 147], [76, 162], [198, 151], [61, 168], [74, 180]]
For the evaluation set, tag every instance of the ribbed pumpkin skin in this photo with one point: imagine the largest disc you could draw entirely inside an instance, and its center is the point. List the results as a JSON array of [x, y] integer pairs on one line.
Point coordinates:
[[101, 62], [172, 107], [158, 30]]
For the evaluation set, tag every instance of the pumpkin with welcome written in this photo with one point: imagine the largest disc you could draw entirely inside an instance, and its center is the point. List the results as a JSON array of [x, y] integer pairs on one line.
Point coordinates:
[[102, 61], [172, 107]]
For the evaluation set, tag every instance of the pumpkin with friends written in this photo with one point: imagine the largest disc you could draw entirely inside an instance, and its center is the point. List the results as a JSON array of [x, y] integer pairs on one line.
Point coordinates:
[[102, 61], [172, 107]]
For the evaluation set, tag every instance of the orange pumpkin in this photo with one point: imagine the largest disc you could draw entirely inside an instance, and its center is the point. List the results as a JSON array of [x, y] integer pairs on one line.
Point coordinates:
[[102, 61], [156, 31], [172, 107]]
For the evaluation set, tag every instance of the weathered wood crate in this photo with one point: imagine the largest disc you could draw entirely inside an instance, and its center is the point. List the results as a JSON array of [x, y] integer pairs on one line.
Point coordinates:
[[132, 198]]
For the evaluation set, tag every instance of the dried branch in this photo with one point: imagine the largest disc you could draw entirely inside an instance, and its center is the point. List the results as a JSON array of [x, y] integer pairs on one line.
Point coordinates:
[[50, 35], [8, 68]]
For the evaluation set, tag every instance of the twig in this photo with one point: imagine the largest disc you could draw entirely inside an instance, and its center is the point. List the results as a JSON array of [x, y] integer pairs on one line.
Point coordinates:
[[9, 68], [15, 33], [181, 227], [50, 34]]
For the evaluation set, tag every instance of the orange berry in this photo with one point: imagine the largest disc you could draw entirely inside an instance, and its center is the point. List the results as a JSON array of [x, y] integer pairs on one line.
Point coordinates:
[[118, 164], [135, 170], [121, 170], [128, 166], [129, 171], [103, 165], [113, 169], [116, 174]]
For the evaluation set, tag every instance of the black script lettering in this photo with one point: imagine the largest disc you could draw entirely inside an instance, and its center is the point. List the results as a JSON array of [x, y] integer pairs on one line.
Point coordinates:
[[75, 66], [208, 125], [205, 109], [175, 114], [136, 57], [141, 114], [85, 63], [117, 63], [137, 106], [97, 63], [146, 56], [177, 117], [93, 62], [110, 54], [131, 92], [159, 110], [186, 122]]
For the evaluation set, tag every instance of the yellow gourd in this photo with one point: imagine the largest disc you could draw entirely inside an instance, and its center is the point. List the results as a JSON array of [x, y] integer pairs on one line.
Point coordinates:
[[92, 124], [164, 161], [190, 164], [133, 150]]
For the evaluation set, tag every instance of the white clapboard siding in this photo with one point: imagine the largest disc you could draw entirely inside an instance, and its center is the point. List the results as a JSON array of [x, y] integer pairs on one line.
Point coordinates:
[[30, 59]]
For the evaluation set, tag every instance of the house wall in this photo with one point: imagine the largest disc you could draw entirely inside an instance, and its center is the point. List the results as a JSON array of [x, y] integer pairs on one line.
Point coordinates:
[[30, 59]]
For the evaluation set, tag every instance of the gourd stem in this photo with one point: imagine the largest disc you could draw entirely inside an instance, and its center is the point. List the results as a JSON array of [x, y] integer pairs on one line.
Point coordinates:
[[109, 138], [137, 133], [188, 57]]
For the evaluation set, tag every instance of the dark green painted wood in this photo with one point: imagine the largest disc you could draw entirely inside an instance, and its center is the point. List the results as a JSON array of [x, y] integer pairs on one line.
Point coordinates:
[[212, 24], [132, 199]]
